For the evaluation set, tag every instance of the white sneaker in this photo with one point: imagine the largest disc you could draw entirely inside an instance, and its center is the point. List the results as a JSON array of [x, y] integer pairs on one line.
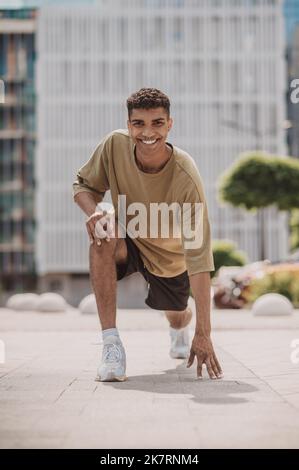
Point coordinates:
[[179, 343], [113, 364]]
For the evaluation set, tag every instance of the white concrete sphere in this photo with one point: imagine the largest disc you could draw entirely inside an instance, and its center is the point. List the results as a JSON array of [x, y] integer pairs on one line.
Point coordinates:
[[51, 302], [14, 301], [88, 305], [272, 305], [25, 301]]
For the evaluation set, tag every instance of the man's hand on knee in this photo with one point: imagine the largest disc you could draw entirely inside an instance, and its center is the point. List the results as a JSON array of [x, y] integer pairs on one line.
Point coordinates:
[[100, 226]]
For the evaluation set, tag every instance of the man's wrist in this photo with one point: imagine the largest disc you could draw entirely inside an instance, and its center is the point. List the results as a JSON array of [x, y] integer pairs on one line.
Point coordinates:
[[90, 211], [204, 332]]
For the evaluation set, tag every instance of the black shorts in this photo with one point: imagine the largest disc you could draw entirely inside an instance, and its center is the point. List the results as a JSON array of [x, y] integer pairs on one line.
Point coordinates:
[[164, 293]]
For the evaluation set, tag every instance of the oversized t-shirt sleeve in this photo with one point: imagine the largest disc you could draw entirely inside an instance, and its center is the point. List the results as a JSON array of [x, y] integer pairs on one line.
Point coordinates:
[[196, 230], [92, 177]]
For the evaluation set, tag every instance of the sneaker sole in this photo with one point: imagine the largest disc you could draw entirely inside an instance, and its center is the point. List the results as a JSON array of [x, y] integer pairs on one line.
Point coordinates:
[[111, 379], [179, 355]]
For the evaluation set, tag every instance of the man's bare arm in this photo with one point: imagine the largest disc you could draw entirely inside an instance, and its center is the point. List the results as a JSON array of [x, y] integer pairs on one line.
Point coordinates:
[[87, 202], [201, 288], [202, 346]]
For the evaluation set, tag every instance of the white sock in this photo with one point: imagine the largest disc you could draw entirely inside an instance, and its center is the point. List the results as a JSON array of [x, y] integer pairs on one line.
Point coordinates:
[[110, 332]]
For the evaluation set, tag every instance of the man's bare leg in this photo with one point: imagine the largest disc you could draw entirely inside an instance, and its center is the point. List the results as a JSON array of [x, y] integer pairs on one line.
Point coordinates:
[[103, 276], [179, 319]]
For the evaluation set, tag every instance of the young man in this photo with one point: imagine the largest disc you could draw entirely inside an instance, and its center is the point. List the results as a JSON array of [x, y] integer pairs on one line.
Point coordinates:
[[140, 165]]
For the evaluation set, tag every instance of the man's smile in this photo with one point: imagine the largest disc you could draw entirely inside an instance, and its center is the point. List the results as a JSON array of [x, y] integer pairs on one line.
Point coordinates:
[[148, 142]]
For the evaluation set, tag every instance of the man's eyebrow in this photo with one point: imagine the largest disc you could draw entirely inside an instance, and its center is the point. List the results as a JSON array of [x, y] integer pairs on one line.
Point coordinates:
[[154, 120]]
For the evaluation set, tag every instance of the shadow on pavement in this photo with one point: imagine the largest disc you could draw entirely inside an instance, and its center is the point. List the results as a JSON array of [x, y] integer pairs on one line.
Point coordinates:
[[182, 381]]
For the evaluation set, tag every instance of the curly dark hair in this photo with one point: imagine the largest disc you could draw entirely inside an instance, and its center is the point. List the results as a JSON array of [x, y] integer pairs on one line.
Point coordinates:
[[148, 98]]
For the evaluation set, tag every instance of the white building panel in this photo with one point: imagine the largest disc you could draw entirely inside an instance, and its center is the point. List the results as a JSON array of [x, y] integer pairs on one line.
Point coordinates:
[[222, 64]]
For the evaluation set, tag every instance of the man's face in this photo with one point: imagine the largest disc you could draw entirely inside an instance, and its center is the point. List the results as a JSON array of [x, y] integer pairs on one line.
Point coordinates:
[[149, 129]]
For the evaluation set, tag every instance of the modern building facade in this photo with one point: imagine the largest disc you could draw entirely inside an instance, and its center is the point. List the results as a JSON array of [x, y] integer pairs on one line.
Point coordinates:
[[17, 144], [293, 105], [291, 14], [220, 61]]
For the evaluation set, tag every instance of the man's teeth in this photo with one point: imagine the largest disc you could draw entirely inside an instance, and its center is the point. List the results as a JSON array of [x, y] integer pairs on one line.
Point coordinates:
[[149, 141]]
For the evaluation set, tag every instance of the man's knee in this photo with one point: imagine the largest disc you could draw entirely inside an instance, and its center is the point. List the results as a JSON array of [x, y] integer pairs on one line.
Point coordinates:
[[179, 319]]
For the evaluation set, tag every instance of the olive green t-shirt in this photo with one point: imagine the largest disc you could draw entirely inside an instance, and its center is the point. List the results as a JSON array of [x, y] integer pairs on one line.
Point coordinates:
[[112, 165]]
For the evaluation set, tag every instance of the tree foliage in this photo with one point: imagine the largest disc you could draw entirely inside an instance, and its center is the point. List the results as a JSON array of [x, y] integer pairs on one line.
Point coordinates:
[[258, 179]]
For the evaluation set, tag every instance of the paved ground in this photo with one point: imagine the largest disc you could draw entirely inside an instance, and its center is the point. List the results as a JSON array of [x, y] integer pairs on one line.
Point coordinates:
[[49, 399]]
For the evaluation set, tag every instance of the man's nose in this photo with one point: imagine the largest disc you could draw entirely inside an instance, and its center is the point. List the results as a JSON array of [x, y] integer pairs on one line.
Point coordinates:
[[147, 132]]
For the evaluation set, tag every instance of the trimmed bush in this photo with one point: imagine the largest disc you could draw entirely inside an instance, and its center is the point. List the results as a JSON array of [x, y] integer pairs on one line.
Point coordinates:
[[258, 179], [226, 254], [285, 283]]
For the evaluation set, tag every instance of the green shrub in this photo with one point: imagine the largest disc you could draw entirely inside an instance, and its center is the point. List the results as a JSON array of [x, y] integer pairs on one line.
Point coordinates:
[[226, 254], [284, 283], [258, 179]]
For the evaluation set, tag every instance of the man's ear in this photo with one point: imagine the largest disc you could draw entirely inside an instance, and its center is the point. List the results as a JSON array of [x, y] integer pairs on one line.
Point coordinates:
[[170, 123]]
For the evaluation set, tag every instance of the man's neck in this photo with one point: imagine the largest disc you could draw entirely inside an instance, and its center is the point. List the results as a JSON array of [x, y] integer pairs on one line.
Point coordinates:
[[156, 164]]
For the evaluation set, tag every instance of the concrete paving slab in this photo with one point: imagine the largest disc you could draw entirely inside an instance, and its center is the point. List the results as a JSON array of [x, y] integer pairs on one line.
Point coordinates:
[[49, 397]]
